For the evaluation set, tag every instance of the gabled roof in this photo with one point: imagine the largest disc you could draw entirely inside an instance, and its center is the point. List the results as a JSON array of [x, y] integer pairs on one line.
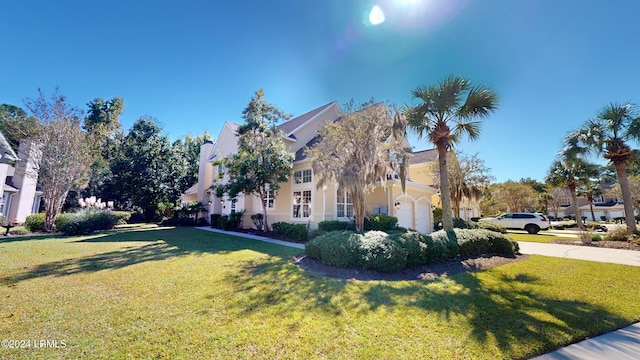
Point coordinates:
[[7, 155], [300, 154], [291, 125], [424, 156]]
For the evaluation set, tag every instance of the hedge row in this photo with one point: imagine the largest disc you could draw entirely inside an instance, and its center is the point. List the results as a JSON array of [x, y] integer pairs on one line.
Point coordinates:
[[296, 232], [389, 252], [379, 222], [81, 222]]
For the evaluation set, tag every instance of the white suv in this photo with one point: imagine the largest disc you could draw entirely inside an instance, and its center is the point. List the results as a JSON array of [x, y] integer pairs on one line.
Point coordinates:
[[532, 222]]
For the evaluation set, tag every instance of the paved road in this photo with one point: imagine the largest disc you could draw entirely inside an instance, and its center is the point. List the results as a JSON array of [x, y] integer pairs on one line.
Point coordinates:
[[615, 256]]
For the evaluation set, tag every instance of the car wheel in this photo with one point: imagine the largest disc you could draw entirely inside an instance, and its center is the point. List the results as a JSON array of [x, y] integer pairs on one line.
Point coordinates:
[[532, 228]]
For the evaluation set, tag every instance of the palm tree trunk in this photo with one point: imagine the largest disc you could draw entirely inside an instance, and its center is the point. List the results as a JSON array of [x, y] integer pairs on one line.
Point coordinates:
[[593, 215], [445, 196], [629, 215], [574, 198]]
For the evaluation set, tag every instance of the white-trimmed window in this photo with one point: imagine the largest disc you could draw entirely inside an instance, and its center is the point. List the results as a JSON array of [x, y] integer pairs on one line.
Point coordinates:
[[302, 176], [270, 200], [233, 205], [302, 204], [344, 204]]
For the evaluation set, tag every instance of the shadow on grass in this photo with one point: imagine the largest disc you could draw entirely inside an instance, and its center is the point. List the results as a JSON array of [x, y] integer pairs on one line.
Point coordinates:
[[508, 311], [156, 244]]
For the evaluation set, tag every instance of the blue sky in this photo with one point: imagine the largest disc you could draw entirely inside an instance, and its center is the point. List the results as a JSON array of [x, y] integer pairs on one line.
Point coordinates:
[[195, 64]]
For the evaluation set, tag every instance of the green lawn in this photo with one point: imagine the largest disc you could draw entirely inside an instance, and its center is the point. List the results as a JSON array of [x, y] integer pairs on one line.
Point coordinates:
[[187, 293], [539, 237]]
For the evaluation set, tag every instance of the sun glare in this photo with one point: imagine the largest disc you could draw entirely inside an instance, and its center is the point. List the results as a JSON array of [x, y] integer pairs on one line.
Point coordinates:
[[376, 16]]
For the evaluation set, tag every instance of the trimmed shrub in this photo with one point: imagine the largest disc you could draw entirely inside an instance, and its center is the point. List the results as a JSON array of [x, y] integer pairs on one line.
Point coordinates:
[[337, 248], [374, 250], [297, 232], [377, 251], [380, 222], [35, 222], [442, 246], [414, 244], [486, 225], [87, 221], [223, 222], [473, 242], [214, 220], [464, 224], [335, 225], [315, 233]]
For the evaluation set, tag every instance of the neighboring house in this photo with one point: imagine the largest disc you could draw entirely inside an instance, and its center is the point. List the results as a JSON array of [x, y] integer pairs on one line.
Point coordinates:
[[421, 169], [19, 195], [609, 207], [299, 200]]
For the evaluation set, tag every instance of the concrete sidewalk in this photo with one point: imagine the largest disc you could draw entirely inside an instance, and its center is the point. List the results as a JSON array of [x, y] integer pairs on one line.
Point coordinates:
[[621, 344], [254, 237]]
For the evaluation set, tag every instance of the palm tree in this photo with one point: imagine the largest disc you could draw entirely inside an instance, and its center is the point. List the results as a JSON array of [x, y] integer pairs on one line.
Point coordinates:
[[590, 191], [444, 115], [614, 126], [572, 172]]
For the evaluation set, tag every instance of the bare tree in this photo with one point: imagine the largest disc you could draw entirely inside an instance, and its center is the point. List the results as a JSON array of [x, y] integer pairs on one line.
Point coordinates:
[[63, 156]]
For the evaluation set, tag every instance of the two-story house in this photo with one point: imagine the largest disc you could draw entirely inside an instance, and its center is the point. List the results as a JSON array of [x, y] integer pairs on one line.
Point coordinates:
[[299, 200]]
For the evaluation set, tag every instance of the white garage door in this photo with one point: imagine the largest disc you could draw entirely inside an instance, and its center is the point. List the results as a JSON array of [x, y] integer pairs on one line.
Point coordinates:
[[405, 214], [422, 217]]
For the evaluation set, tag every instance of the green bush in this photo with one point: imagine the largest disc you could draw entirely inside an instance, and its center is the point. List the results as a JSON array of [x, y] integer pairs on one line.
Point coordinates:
[[389, 252], [491, 226], [297, 232], [380, 222], [459, 223], [315, 233], [618, 234], [473, 242], [214, 221], [223, 222], [35, 222], [335, 225], [337, 248], [442, 246], [377, 251], [87, 221], [414, 244]]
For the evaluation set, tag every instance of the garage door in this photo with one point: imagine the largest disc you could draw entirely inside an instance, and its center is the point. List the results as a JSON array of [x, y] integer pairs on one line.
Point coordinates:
[[405, 214], [422, 217]]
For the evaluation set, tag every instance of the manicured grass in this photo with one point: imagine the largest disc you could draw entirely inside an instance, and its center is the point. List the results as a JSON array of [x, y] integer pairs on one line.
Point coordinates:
[[186, 293], [540, 237]]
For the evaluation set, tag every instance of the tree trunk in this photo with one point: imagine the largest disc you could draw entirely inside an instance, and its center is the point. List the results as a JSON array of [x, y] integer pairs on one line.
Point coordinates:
[[358, 209], [445, 196], [593, 215], [574, 198], [629, 215], [265, 227]]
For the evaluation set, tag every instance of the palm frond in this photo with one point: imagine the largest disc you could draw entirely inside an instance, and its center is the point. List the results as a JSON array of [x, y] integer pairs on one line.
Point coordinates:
[[480, 102]]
